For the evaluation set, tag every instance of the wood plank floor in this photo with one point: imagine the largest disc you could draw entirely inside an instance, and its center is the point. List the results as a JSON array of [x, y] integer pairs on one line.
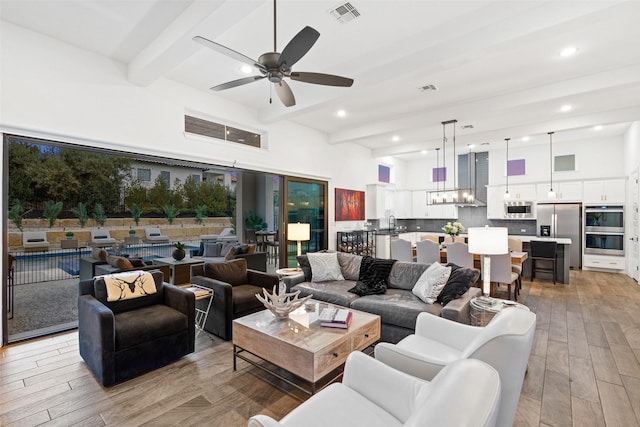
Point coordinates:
[[584, 370]]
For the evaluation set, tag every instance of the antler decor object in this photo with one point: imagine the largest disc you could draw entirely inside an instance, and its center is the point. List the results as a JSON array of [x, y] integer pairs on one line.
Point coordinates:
[[281, 304]]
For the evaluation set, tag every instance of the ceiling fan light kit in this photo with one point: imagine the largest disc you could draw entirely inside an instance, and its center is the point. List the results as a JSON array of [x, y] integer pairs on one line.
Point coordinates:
[[275, 66]]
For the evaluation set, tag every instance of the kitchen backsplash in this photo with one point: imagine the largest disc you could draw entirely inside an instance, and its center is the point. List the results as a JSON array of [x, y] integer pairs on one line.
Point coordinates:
[[469, 217]]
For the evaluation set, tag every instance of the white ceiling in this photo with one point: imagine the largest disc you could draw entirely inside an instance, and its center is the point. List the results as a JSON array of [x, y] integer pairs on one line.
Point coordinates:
[[496, 64]]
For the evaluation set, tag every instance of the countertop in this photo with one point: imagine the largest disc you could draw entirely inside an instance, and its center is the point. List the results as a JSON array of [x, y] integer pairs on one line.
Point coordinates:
[[523, 238]]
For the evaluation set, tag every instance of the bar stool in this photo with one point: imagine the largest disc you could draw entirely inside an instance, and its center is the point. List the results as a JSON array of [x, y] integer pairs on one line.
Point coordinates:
[[545, 252]]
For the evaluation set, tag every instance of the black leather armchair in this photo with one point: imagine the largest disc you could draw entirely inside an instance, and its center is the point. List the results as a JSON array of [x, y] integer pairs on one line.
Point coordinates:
[[234, 289], [123, 339]]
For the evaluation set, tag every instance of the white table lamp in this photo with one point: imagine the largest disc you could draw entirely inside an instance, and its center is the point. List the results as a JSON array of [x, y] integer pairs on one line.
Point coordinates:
[[299, 232], [488, 241]]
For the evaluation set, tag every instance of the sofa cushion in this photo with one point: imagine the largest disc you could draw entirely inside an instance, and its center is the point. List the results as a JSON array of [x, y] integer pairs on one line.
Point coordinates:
[[244, 298], [431, 283], [373, 276], [130, 285], [100, 292], [119, 262], [99, 253], [251, 249], [404, 275], [460, 280], [334, 292], [137, 262], [350, 265], [324, 266], [232, 272], [147, 324], [211, 249], [396, 307]]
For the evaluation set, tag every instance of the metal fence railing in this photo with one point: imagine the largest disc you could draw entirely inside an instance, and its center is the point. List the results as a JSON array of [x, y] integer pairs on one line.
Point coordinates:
[[61, 264]]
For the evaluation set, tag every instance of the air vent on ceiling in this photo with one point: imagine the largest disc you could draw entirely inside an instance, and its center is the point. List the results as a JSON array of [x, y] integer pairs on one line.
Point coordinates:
[[467, 127], [345, 13], [427, 88]]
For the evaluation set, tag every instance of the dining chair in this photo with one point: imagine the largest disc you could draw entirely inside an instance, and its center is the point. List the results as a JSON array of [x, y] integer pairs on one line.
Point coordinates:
[[401, 250], [543, 252], [427, 252], [458, 254], [515, 245], [431, 237], [501, 272]]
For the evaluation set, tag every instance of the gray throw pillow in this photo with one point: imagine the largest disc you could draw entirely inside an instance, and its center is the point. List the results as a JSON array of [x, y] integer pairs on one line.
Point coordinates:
[[212, 249], [325, 266]]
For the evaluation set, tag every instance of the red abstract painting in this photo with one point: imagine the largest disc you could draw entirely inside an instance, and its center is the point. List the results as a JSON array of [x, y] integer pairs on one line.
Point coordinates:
[[349, 205]]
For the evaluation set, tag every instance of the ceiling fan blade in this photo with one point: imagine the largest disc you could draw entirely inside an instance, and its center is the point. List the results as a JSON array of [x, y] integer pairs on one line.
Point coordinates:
[[235, 83], [228, 52], [285, 94], [298, 47], [322, 79]]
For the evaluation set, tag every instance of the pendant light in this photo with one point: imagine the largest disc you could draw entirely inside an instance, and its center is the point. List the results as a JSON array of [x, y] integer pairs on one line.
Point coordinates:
[[551, 194], [459, 196], [506, 193], [437, 195]]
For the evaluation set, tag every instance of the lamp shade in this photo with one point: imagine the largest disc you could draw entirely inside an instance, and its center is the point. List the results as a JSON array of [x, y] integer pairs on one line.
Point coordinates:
[[299, 232], [488, 240]]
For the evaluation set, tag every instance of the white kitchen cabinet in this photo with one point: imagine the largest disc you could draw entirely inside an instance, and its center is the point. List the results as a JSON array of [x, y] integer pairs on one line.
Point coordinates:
[[495, 202], [566, 191], [402, 204], [609, 191], [604, 262], [419, 204], [524, 192], [379, 201]]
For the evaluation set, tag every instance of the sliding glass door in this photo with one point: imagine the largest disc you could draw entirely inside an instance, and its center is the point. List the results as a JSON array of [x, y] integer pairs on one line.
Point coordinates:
[[304, 201]]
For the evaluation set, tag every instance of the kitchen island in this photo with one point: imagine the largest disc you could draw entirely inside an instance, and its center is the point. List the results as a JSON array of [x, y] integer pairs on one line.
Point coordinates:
[[563, 255]]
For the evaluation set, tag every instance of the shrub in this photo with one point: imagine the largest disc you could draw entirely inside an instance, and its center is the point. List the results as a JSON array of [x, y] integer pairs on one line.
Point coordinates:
[[201, 212], [136, 213], [16, 214], [171, 212], [80, 212], [51, 211], [99, 215]]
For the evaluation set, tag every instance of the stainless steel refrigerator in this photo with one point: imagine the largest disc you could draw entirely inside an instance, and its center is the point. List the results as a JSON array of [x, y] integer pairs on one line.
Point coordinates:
[[563, 220]]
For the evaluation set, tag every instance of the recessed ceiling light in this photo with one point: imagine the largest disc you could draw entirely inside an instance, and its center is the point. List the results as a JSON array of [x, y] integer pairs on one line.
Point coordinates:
[[568, 51], [471, 145], [395, 138], [566, 108], [245, 69], [597, 127], [525, 138], [423, 152], [341, 113]]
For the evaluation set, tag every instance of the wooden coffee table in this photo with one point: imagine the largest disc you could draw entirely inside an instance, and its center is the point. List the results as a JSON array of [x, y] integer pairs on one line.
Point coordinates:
[[299, 345]]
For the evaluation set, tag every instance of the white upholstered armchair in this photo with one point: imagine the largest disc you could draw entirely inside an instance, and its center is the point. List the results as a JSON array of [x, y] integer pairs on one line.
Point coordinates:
[[372, 394], [505, 344]]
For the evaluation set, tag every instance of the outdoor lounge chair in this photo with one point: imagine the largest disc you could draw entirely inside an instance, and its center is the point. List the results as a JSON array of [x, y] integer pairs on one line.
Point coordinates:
[[35, 240], [225, 236], [154, 235], [101, 238]]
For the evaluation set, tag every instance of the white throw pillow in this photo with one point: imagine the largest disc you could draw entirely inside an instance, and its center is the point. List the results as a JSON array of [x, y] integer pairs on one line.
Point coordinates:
[[324, 266], [432, 282]]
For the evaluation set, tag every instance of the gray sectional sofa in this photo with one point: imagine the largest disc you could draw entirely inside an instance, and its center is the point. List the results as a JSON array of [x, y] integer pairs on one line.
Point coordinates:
[[221, 252], [398, 307]]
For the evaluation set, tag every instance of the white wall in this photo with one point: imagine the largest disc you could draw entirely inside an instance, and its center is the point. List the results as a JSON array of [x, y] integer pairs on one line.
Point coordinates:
[[631, 164]]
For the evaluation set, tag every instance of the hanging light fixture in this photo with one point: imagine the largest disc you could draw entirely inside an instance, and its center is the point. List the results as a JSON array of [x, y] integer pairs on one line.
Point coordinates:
[[551, 194], [437, 195], [458, 196], [506, 193]]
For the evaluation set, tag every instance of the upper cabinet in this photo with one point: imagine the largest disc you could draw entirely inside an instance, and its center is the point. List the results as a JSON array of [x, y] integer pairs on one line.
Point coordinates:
[[495, 202], [609, 191], [379, 201], [402, 205], [524, 192], [567, 191]]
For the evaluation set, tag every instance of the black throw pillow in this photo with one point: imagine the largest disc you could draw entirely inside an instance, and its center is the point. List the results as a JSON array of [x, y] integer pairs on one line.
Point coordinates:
[[460, 280], [305, 266], [374, 273]]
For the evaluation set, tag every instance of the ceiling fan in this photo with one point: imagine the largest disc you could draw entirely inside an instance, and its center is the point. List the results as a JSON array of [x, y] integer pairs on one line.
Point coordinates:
[[276, 66]]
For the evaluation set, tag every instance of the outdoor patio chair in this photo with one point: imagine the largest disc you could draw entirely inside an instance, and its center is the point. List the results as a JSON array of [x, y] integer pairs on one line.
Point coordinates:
[[154, 235], [101, 238], [35, 240]]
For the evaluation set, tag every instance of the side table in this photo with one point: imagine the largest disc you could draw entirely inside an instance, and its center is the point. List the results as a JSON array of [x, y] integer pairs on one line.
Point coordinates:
[[483, 309], [284, 272], [201, 292]]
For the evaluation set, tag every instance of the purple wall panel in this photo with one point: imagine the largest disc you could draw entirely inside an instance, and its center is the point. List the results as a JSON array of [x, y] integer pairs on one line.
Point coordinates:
[[384, 173], [516, 167], [439, 174]]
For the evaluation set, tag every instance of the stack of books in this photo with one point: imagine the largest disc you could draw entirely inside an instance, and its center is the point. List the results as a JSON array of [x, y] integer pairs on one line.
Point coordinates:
[[335, 318], [485, 301]]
